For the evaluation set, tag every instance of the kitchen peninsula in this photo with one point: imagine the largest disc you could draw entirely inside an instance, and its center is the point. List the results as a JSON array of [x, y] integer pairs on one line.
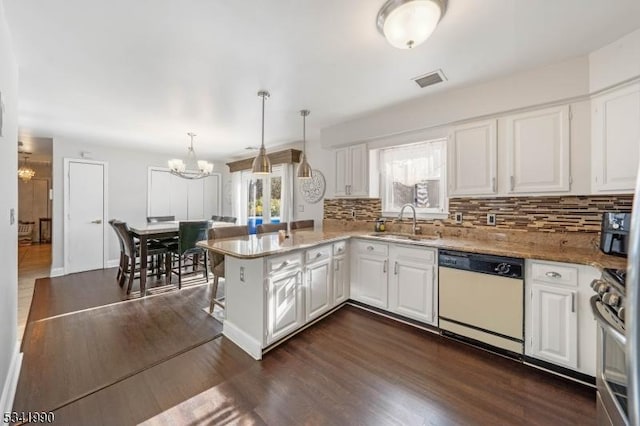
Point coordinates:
[[275, 287]]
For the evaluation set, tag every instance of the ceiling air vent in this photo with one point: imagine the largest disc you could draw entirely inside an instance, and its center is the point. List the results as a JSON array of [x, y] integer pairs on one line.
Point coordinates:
[[430, 79]]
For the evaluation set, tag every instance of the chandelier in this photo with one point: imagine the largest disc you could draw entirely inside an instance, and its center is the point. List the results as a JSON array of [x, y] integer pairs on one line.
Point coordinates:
[[408, 23], [192, 168], [25, 172]]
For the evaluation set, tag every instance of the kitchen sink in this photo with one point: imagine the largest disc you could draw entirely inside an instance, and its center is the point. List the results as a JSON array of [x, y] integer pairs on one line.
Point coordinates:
[[402, 237]]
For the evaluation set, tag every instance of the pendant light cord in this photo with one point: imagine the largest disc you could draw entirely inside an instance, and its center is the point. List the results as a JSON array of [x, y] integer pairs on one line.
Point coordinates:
[[263, 96], [304, 134]]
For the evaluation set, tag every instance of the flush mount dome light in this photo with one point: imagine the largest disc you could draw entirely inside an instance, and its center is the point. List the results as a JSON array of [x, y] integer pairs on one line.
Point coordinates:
[[408, 23]]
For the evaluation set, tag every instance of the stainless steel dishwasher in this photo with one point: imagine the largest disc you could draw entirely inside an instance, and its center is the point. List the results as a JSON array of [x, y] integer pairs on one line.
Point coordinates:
[[481, 300]]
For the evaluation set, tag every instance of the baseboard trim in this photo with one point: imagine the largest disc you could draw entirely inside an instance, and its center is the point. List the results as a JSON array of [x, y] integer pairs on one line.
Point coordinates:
[[242, 339], [56, 272], [11, 381], [112, 263]]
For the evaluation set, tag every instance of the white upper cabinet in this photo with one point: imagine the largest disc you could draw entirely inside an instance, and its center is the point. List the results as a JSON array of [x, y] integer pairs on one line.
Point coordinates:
[[472, 159], [538, 151], [616, 140], [352, 171]]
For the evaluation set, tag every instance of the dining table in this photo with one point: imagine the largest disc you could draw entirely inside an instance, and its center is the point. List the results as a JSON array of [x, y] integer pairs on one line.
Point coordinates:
[[157, 230]]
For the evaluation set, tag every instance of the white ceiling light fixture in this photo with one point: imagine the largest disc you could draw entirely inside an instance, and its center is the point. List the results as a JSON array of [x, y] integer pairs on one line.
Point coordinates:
[[408, 23], [192, 168], [304, 169], [262, 164], [25, 172]]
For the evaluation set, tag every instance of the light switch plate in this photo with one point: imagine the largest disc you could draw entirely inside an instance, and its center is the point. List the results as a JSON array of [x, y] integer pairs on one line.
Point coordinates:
[[458, 217], [491, 219], [12, 216]]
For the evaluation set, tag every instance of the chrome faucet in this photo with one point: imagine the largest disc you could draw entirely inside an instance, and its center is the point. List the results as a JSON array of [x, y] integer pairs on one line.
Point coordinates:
[[415, 228]]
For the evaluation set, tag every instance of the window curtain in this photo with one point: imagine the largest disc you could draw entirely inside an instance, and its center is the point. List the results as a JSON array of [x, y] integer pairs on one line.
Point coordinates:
[[236, 198], [286, 208]]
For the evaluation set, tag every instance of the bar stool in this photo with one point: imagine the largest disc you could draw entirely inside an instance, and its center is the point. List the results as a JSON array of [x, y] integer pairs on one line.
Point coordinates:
[[302, 224], [271, 227], [217, 259]]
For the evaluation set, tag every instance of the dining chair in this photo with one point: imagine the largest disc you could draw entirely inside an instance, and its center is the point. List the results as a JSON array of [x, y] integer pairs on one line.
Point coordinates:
[[131, 253], [122, 263], [217, 218], [271, 227], [302, 224], [157, 219], [184, 250], [217, 259], [229, 219]]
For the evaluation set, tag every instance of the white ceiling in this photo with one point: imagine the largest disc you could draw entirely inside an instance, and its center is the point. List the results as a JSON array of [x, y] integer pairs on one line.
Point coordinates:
[[143, 73]]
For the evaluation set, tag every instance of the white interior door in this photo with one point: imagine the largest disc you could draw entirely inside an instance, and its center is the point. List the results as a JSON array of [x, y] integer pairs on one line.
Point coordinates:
[[85, 215]]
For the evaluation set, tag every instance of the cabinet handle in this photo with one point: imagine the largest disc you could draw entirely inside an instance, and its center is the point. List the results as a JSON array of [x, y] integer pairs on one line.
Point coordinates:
[[318, 255], [395, 269], [384, 267], [573, 302], [553, 274], [370, 248], [512, 183], [493, 184]]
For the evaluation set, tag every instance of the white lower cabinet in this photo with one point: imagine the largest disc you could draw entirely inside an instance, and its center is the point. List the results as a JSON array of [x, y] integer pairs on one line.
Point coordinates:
[[554, 324], [369, 276], [340, 279], [397, 278], [318, 288], [412, 283], [559, 326], [285, 303]]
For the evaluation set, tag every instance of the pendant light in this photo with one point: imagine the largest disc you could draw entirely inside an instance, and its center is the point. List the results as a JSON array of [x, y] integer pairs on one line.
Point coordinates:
[[408, 23], [192, 168], [304, 169], [262, 164]]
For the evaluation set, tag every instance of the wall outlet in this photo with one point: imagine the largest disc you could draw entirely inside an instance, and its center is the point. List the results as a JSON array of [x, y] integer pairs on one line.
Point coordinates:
[[353, 214], [491, 219], [458, 217]]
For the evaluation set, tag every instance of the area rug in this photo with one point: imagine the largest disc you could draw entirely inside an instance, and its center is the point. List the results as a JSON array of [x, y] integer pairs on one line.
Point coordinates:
[[75, 354]]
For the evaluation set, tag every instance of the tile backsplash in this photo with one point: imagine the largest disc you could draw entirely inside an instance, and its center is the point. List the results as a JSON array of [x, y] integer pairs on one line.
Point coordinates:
[[533, 214]]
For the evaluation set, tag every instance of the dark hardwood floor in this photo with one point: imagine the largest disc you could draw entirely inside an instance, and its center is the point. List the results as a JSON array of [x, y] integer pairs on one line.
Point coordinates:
[[353, 367]]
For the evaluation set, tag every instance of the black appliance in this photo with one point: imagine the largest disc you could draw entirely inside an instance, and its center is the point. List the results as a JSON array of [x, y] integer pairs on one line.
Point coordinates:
[[614, 234]]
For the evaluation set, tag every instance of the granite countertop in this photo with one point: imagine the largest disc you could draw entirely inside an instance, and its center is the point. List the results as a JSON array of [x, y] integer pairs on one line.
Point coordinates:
[[253, 246]]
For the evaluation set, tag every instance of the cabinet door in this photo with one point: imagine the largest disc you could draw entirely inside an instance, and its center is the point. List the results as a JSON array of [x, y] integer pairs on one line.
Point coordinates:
[[412, 290], [616, 140], [554, 325], [359, 167], [371, 280], [195, 199], [340, 158], [472, 159], [319, 293], [285, 305], [340, 279], [538, 151]]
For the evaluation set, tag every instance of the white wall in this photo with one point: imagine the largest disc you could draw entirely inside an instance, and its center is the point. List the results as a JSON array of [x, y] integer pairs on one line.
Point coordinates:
[[615, 62], [9, 359], [127, 186], [534, 87]]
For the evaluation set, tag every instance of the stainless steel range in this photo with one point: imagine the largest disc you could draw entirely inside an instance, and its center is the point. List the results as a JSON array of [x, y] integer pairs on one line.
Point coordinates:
[[608, 307]]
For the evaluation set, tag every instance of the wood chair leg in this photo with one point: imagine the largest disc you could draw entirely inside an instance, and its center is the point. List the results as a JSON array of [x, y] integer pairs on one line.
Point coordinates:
[[179, 272], [167, 268], [120, 267], [132, 273], [206, 268], [125, 267], [158, 263], [214, 292], [195, 261]]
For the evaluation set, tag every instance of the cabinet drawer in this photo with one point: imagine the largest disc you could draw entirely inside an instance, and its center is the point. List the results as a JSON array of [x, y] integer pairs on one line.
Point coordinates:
[[340, 248], [372, 248], [554, 273], [422, 254], [282, 263], [319, 253]]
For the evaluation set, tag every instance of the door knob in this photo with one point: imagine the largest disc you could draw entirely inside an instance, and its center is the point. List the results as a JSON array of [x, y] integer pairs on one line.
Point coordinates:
[[97, 221]]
